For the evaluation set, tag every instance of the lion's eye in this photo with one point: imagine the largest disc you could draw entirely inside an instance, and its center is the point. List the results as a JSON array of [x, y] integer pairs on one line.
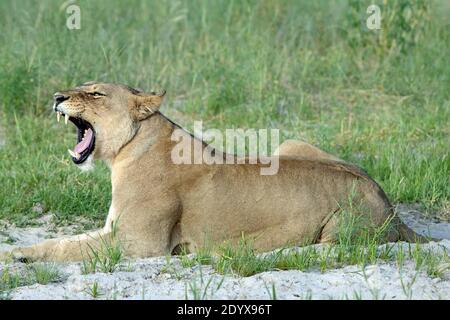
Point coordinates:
[[96, 94]]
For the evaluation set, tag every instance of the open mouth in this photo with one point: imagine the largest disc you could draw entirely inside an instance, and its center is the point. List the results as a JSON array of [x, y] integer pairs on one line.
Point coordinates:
[[85, 138]]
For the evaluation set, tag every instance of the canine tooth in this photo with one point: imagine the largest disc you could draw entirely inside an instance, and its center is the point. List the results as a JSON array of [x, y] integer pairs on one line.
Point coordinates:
[[58, 116], [66, 118], [74, 154]]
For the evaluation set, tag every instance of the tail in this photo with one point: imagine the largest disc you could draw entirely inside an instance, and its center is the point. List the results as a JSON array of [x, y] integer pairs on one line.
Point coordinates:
[[409, 235]]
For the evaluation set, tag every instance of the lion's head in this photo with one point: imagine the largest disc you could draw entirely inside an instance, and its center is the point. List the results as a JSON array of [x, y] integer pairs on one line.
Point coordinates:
[[106, 115]]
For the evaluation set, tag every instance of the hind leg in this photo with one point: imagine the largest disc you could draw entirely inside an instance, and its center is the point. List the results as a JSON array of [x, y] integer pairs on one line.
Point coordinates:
[[329, 230], [385, 231]]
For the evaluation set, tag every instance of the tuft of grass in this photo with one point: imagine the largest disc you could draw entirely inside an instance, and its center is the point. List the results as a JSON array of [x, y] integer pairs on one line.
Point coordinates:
[[114, 293], [43, 273], [9, 281], [434, 265], [374, 291], [241, 259], [171, 269], [94, 291], [306, 295], [407, 286], [303, 260], [105, 256], [200, 288], [203, 256], [357, 295], [272, 292], [105, 259]]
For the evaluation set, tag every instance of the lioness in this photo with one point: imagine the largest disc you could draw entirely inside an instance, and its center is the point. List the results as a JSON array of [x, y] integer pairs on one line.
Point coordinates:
[[158, 206]]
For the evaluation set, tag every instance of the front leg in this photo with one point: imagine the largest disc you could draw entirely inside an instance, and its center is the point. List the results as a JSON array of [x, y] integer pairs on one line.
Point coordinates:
[[142, 229], [137, 235], [75, 248]]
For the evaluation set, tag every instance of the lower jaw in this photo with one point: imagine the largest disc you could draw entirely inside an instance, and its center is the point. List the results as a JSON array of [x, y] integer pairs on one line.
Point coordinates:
[[83, 158], [86, 165]]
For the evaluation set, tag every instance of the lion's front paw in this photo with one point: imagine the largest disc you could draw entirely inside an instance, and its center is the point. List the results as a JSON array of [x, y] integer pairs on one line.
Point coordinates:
[[23, 255], [15, 255], [6, 256]]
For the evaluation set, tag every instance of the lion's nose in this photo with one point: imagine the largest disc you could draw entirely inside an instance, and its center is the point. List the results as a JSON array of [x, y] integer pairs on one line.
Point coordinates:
[[59, 97]]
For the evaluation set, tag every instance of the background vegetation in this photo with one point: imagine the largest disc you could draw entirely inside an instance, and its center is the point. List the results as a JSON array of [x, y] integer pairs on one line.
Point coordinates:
[[310, 68]]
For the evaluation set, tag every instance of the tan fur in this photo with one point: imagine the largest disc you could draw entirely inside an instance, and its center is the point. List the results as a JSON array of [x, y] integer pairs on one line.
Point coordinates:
[[303, 149], [159, 206]]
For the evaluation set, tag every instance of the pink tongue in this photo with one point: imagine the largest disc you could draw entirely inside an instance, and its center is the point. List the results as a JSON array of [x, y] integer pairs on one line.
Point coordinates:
[[83, 145]]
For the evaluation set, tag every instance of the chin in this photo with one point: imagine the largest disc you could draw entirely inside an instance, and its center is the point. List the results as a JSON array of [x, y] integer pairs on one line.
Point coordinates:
[[87, 165]]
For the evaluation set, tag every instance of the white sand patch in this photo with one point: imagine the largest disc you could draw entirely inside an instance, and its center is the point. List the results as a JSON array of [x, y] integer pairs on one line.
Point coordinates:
[[146, 279]]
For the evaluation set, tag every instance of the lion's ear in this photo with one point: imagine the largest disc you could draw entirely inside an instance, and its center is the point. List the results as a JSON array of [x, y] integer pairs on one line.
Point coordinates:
[[144, 105]]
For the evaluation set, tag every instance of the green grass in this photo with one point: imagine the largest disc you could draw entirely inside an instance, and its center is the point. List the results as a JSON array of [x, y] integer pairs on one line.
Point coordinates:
[[272, 292], [202, 256], [309, 68], [94, 290], [172, 270], [103, 256], [200, 288], [244, 261], [9, 281], [44, 273]]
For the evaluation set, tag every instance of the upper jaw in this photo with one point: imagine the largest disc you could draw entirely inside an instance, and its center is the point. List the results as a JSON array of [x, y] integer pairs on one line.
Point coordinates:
[[61, 111]]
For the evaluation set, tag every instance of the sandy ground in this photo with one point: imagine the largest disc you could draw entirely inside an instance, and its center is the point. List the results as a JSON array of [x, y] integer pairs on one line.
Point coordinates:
[[155, 278]]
